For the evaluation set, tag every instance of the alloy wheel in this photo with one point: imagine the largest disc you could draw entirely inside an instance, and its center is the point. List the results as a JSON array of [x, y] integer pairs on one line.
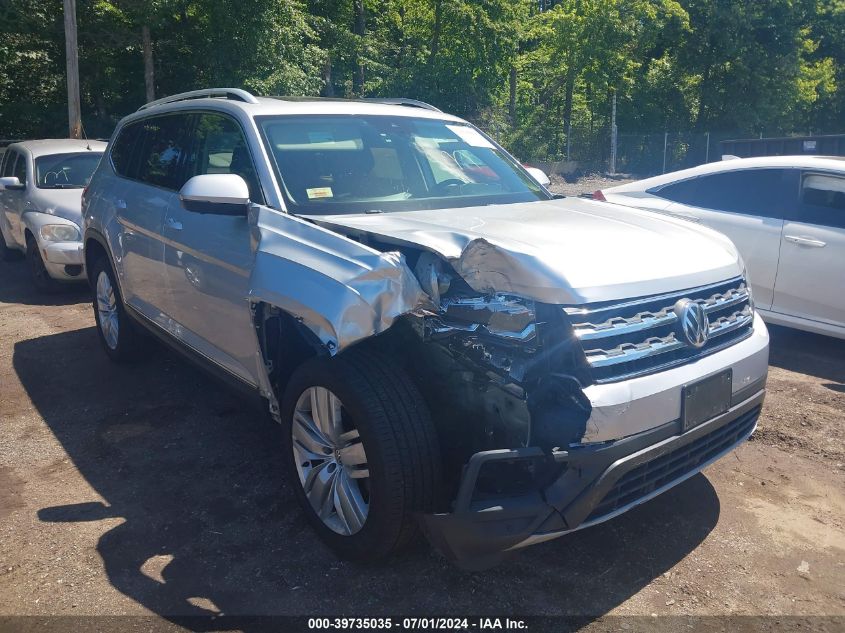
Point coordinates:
[[107, 310], [331, 461]]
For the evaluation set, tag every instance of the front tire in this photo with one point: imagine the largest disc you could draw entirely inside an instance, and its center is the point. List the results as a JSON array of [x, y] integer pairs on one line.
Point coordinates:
[[41, 278], [361, 451], [117, 333]]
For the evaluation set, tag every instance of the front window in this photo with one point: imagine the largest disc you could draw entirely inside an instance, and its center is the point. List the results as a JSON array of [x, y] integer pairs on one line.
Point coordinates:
[[65, 171], [357, 164]]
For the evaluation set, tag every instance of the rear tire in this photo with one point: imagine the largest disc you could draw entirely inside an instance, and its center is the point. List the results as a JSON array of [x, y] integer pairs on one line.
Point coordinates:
[[41, 278], [117, 332], [384, 430]]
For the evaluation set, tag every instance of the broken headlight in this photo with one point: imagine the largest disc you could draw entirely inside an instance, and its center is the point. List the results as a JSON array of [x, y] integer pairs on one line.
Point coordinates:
[[500, 315]]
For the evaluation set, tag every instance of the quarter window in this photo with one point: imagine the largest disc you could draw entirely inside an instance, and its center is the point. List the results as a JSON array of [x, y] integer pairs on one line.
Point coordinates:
[[122, 150]]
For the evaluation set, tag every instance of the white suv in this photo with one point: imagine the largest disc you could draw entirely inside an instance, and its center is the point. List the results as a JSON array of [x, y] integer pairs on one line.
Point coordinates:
[[442, 339]]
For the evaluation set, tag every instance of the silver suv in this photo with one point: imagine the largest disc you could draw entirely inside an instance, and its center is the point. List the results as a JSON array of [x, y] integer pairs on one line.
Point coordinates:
[[444, 341]]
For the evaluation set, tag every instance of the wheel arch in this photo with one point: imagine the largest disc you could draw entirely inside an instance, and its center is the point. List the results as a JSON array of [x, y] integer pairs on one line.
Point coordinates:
[[285, 343], [95, 246]]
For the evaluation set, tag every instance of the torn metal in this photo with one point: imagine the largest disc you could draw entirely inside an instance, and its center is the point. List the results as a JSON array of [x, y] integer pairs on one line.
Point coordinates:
[[341, 290]]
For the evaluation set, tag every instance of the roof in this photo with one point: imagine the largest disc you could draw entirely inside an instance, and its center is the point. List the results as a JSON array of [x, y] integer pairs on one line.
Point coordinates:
[[832, 163], [235, 100], [42, 147]]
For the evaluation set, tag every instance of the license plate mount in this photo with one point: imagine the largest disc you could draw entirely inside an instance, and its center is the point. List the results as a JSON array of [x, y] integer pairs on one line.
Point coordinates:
[[705, 399]]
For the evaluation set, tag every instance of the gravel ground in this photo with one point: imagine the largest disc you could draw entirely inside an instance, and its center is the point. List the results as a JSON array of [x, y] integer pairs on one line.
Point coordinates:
[[148, 489], [586, 184]]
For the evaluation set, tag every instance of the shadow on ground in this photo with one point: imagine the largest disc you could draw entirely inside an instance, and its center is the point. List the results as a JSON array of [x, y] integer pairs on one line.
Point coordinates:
[[807, 353], [212, 525], [17, 288]]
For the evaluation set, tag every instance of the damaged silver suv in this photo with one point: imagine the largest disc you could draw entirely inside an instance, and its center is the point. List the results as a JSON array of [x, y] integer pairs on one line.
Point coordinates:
[[446, 344]]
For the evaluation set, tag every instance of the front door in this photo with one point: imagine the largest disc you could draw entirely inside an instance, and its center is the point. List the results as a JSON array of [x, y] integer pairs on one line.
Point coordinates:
[[748, 206], [208, 258]]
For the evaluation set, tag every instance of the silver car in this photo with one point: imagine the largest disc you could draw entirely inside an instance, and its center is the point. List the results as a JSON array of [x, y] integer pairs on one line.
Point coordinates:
[[41, 185], [443, 340]]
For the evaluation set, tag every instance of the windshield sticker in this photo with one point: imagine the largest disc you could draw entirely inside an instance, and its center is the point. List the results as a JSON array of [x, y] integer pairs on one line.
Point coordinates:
[[470, 136], [319, 192]]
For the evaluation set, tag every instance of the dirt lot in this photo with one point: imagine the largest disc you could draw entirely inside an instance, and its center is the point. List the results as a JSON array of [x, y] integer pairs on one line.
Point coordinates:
[[586, 184], [150, 489]]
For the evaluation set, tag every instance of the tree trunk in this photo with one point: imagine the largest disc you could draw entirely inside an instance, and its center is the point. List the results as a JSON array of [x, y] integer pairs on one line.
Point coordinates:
[[569, 89], [359, 29], [74, 110], [328, 87], [701, 117], [512, 97], [149, 72]]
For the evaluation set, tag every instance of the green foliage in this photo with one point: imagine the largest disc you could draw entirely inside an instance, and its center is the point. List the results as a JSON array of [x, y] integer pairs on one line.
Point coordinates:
[[535, 73]]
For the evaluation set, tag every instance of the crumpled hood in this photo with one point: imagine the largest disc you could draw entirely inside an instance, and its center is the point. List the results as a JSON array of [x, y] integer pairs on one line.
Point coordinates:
[[569, 251], [63, 203]]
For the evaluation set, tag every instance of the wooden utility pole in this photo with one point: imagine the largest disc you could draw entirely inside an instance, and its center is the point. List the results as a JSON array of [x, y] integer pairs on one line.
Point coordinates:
[[149, 72], [74, 112]]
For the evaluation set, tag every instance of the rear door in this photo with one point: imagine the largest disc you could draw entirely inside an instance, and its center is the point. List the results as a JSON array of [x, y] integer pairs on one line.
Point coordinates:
[[152, 167], [811, 275], [748, 206]]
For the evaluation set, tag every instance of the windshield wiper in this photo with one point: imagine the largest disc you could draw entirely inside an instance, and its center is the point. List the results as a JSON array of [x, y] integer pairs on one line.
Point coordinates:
[[62, 186]]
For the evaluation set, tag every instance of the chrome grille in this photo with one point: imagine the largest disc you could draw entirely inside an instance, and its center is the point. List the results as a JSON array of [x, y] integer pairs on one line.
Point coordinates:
[[641, 336]]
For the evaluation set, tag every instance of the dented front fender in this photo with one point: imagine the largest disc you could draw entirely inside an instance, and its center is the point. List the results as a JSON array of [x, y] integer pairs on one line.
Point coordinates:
[[339, 289]]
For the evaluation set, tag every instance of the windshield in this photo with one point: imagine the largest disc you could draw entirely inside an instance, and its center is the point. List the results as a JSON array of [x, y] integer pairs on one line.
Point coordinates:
[[330, 164], [65, 171]]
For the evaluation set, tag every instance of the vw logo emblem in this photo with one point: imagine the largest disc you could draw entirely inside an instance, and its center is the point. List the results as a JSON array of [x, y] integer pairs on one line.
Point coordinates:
[[695, 326]]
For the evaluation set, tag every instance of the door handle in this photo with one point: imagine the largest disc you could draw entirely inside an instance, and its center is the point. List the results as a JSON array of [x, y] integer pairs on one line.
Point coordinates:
[[175, 225], [804, 241]]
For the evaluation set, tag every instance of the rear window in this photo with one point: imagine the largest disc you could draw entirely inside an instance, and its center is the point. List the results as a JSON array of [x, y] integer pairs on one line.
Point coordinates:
[[153, 150], [759, 192]]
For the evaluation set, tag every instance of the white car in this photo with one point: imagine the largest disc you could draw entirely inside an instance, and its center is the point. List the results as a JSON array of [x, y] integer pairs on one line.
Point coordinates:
[[786, 215], [41, 185]]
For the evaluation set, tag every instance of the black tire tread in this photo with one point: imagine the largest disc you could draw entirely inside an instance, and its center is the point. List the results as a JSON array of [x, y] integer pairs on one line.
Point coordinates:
[[411, 429], [399, 424]]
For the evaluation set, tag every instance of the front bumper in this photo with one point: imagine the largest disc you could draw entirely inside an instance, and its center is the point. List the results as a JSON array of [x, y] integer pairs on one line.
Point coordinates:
[[633, 449], [598, 483], [64, 260]]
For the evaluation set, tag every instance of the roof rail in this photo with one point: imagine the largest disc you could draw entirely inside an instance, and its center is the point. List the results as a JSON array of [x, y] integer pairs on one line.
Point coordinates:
[[235, 94], [413, 103]]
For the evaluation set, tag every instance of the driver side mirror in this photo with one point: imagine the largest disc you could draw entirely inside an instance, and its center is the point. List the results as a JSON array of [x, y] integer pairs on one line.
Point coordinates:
[[539, 175], [216, 194], [12, 183]]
